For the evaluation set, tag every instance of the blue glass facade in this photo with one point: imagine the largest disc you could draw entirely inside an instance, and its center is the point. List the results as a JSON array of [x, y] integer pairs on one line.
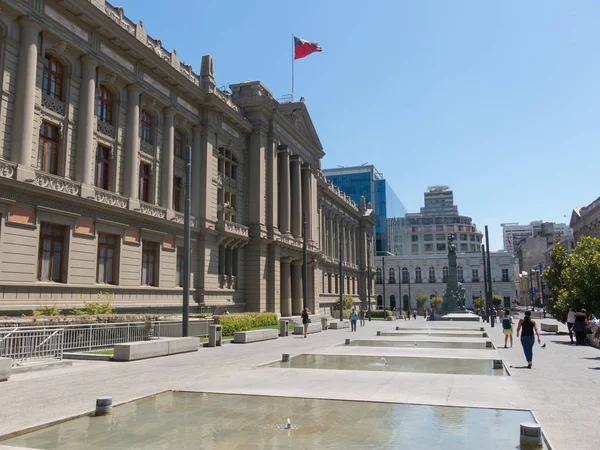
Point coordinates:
[[389, 210]]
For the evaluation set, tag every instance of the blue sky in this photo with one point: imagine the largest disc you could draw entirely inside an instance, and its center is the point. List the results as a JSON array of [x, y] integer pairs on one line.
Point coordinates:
[[498, 100]]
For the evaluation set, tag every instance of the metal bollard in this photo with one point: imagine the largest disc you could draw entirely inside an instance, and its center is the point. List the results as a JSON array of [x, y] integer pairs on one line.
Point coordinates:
[[103, 406], [285, 357], [498, 364], [379, 333], [348, 341]]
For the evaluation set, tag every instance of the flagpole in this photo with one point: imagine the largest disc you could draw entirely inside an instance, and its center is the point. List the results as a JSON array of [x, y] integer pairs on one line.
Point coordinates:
[[293, 67]]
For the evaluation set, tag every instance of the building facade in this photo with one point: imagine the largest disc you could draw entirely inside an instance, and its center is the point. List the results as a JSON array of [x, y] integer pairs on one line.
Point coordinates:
[[406, 276], [428, 230], [512, 233], [366, 181], [96, 118], [586, 221]]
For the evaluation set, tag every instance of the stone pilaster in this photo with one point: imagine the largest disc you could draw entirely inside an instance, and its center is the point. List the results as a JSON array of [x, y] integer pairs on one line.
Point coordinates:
[[168, 153], [296, 197], [306, 201], [297, 301], [85, 126], [202, 153], [284, 190], [132, 145], [286, 287], [24, 109], [256, 186], [273, 193]]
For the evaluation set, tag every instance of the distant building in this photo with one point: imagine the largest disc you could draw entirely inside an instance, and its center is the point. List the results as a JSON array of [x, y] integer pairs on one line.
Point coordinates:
[[405, 276], [586, 221], [514, 232], [367, 181], [427, 231]]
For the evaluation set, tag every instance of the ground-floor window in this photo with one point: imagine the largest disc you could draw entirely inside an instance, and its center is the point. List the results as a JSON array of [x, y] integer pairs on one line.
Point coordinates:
[[52, 255]]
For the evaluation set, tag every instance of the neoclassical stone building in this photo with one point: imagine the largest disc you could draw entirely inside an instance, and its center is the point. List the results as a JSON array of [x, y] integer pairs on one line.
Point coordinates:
[[95, 116]]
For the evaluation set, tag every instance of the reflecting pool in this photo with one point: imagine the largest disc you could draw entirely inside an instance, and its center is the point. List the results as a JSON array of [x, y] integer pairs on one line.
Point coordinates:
[[180, 420], [422, 344]]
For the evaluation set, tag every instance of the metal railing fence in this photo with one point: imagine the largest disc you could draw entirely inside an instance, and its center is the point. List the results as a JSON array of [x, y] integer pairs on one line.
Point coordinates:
[[28, 345]]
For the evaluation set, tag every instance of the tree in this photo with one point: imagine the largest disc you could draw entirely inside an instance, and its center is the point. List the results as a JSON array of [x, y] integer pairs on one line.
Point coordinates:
[[348, 302], [574, 279], [421, 299], [479, 302], [496, 300], [436, 301]]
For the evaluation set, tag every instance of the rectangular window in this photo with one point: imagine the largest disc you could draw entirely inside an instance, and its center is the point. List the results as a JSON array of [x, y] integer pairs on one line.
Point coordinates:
[[52, 77], [440, 237], [178, 194], [415, 249], [472, 237], [505, 275], [178, 144], [101, 168], [415, 238], [144, 186], [48, 148], [473, 248], [149, 263], [428, 247], [107, 258], [52, 253], [441, 247], [179, 267], [463, 237], [464, 247], [428, 237], [439, 228], [506, 302], [475, 275]]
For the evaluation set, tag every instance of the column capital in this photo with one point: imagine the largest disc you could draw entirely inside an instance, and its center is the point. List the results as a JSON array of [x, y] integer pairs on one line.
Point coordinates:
[[134, 89], [89, 62], [306, 167], [169, 112], [296, 262], [296, 159], [30, 23], [283, 149], [285, 260]]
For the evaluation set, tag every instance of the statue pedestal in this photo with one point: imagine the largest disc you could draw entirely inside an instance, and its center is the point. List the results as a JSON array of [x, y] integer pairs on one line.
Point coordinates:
[[460, 316]]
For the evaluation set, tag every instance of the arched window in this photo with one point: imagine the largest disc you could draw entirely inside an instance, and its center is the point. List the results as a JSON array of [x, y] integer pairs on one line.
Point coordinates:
[[459, 273], [52, 77], [445, 274], [432, 274], [405, 304], [379, 302], [392, 274], [378, 276], [227, 193], [179, 144], [104, 105], [405, 275], [392, 301], [146, 127], [418, 275]]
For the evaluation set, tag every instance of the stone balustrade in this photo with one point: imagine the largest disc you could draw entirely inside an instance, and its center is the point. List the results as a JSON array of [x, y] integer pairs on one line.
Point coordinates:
[[232, 228], [110, 198], [152, 210], [7, 169], [56, 183]]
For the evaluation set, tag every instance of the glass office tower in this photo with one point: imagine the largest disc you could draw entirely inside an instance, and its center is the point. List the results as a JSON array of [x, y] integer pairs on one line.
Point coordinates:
[[367, 181]]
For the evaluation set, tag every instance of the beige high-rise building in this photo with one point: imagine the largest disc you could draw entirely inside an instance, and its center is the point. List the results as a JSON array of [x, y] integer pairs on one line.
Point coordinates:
[[95, 116]]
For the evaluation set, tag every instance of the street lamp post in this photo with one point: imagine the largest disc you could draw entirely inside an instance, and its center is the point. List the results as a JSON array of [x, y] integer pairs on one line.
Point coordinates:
[[485, 286], [187, 243], [489, 283], [383, 275], [369, 278], [341, 281]]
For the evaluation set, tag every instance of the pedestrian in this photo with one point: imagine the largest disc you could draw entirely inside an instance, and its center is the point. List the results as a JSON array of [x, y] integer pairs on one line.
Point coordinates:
[[500, 315], [408, 314], [425, 313], [507, 327], [415, 314], [527, 337], [305, 319], [570, 321], [580, 327], [353, 317], [361, 316]]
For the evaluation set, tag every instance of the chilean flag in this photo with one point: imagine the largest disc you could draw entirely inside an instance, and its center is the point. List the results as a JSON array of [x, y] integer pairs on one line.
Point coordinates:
[[304, 48]]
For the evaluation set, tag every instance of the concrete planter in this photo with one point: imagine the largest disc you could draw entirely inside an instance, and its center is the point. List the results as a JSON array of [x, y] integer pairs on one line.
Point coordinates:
[[5, 368]]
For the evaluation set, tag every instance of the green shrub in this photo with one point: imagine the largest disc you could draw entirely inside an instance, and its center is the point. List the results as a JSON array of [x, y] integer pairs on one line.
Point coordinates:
[[347, 301], [100, 304], [346, 314], [379, 313], [231, 323], [47, 311]]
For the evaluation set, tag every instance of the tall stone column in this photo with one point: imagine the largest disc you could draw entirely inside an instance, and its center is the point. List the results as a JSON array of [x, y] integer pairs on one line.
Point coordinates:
[[24, 112], [132, 145], [202, 150], [306, 201], [85, 125], [168, 153], [272, 189], [286, 287], [284, 190], [297, 301], [296, 196]]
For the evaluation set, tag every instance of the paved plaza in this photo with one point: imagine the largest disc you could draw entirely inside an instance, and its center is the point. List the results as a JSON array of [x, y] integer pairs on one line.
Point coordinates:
[[559, 390]]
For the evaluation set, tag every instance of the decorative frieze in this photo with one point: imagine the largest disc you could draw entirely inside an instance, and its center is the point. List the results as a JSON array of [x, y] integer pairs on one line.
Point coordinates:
[[116, 56], [7, 169], [179, 166], [67, 23], [57, 183], [106, 129], [53, 104], [154, 211], [187, 105], [111, 198], [118, 15]]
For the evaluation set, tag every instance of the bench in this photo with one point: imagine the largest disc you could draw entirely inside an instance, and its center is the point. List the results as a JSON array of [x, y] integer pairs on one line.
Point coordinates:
[[5, 368], [132, 351], [552, 327], [339, 325], [245, 337], [312, 328]]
